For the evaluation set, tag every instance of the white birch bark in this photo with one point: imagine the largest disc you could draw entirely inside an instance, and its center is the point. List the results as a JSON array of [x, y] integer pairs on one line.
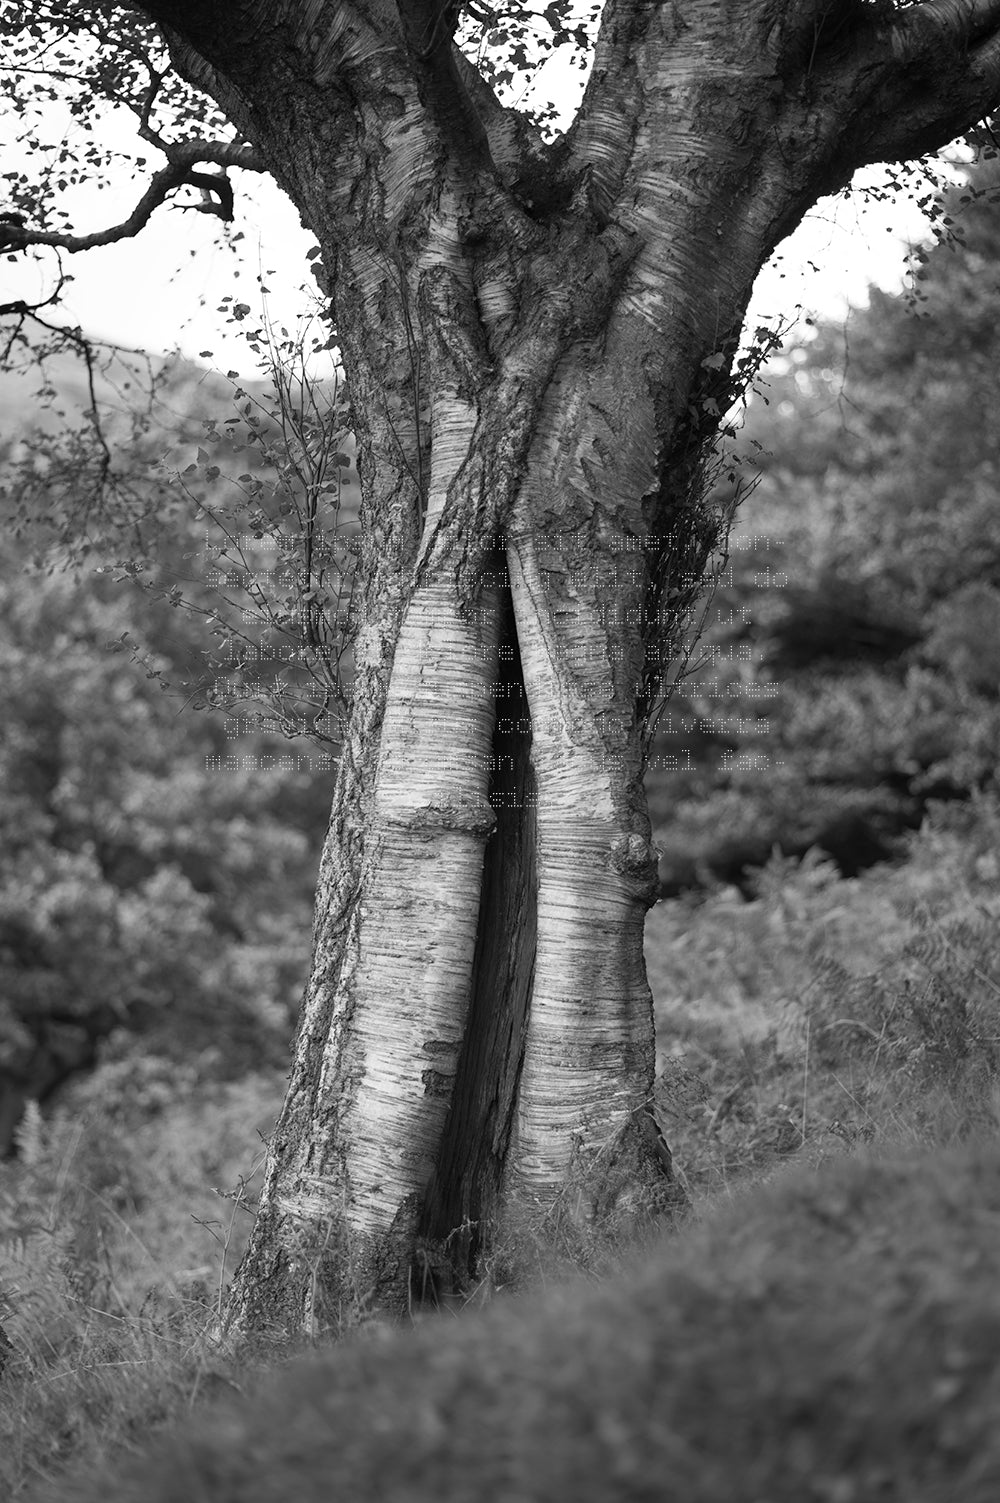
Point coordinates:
[[589, 1050]]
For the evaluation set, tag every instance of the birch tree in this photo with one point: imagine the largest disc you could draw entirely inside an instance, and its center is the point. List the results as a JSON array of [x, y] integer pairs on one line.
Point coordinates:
[[538, 334]]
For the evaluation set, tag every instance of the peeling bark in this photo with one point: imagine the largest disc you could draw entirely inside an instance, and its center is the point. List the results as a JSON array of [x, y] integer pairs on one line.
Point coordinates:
[[538, 342]]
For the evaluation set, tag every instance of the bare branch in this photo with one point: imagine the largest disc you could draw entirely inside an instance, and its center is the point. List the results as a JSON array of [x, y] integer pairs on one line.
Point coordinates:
[[21, 310]]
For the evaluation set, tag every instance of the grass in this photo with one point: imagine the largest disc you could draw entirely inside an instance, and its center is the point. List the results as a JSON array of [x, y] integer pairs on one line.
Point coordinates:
[[113, 1254], [820, 1047], [830, 1337]]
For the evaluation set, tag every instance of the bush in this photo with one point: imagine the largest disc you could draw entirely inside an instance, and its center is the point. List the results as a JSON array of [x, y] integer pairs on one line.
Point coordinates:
[[832, 1007]]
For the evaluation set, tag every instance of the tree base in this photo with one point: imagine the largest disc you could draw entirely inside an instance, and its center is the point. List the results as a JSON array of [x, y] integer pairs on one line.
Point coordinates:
[[612, 1196]]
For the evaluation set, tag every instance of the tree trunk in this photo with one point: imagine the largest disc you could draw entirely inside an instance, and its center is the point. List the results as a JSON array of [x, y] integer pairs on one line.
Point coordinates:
[[538, 342], [477, 1041], [478, 1035]]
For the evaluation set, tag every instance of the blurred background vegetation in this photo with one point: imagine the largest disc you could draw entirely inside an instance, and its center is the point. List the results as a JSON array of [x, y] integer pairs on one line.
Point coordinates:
[[824, 786], [849, 674]]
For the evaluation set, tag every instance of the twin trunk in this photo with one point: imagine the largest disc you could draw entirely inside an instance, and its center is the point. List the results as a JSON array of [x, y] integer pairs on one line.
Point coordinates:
[[478, 1030]]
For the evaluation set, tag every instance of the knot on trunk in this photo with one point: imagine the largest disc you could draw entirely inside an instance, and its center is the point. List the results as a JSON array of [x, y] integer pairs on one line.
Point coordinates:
[[636, 859]]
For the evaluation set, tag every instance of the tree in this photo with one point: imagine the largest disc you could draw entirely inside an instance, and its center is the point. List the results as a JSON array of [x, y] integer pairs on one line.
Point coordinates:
[[539, 337]]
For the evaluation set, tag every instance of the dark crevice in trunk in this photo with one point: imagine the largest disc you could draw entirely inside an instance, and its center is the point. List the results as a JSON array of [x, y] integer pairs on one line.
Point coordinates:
[[464, 1195]]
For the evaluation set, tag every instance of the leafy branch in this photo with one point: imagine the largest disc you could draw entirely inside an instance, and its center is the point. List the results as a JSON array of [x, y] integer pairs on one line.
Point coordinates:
[[180, 171], [278, 583]]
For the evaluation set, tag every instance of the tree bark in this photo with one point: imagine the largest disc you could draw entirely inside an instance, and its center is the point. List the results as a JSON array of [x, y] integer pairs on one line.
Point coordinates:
[[538, 341]]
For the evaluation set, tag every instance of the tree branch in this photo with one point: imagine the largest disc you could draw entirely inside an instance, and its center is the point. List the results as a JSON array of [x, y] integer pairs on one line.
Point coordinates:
[[515, 144], [603, 133], [931, 71], [937, 21], [180, 171], [21, 312]]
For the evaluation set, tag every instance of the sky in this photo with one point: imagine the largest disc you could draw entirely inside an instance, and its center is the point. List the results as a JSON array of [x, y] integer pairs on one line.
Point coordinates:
[[164, 290]]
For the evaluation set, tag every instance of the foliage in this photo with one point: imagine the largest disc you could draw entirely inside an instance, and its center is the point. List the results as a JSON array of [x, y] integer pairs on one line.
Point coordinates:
[[156, 866], [234, 502], [862, 1008], [831, 1338], [141, 887]]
